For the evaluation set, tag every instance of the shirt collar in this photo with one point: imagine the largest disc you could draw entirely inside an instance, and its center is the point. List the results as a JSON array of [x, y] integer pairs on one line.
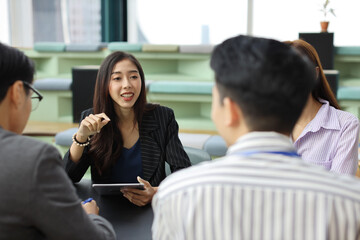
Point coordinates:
[[325, 118], [262, 141]]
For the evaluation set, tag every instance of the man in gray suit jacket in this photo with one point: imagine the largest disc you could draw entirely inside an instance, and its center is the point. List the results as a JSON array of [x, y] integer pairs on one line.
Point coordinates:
[[37, 199]]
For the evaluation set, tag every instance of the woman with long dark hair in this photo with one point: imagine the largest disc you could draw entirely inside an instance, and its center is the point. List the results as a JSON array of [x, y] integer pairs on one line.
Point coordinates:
[[324, 135], [123, 138]]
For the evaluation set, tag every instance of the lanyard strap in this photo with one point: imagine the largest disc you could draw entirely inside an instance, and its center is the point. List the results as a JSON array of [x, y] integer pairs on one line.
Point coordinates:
[[288, 154]]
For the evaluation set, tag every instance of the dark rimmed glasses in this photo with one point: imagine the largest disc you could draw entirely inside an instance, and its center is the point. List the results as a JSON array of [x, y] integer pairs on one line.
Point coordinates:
[[36, 97]]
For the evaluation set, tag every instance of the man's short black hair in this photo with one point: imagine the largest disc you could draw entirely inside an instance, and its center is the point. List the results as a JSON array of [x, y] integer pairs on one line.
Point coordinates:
[[14, 65], [269, 81]]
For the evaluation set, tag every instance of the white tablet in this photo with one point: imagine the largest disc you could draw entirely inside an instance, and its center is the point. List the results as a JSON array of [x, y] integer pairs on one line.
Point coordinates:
[[114, 188]]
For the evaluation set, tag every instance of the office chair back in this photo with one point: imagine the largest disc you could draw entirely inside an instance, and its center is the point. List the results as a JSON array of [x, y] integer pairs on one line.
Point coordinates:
[[195, 155]]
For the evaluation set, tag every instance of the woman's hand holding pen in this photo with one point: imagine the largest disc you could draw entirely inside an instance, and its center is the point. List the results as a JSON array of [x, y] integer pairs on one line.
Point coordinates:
[[91, 125], [140, 197]]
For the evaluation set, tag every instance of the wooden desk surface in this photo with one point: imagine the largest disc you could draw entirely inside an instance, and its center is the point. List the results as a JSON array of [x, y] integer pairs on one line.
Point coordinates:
[[38, 128], [210, 132], [35, 128]]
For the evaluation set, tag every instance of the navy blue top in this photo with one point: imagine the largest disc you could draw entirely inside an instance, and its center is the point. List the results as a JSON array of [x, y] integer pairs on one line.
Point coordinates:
[[128, 166]]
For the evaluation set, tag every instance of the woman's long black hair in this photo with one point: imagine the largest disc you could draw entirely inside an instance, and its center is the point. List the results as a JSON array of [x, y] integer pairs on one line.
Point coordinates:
[[322, 89], [106, 146]]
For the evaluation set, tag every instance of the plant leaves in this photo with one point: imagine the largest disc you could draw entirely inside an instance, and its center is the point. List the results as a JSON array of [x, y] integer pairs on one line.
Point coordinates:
[[332, 11]]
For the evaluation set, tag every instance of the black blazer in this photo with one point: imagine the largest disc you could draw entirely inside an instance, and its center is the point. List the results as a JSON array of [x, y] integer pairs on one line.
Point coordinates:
[[159, 141]]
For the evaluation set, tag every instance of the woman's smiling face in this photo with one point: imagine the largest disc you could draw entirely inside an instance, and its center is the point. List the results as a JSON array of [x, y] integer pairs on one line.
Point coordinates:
[[125, 84]]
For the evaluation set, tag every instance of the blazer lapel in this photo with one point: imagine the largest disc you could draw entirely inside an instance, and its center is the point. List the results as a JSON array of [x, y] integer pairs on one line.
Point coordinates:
[[150, 147]]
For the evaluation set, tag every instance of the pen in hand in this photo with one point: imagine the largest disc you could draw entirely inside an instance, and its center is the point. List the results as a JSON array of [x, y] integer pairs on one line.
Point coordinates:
[[90, 208], [87, 200]]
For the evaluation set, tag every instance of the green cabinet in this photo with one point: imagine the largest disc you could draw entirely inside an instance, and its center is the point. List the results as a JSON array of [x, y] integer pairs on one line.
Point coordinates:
[[192, 111]]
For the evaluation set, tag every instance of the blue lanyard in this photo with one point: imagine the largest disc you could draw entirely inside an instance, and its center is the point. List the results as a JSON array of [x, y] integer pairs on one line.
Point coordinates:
[[288, 154]]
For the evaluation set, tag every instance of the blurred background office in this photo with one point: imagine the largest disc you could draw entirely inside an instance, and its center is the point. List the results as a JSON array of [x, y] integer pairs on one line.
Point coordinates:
[[24, 22], [181, 34]]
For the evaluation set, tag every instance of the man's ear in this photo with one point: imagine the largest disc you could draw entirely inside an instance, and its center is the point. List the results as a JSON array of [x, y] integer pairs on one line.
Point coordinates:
[[16, 93], [233, 113]]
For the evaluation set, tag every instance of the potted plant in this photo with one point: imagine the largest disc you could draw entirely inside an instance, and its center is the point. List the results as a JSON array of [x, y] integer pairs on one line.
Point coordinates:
[[326, 10]]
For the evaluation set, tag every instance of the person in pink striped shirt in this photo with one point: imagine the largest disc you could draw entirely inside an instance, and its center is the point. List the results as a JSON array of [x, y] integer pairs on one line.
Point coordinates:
[[324, 135]]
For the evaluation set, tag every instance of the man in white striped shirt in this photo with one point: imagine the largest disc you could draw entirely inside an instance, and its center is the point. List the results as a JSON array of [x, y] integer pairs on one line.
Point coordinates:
[[261, 189]]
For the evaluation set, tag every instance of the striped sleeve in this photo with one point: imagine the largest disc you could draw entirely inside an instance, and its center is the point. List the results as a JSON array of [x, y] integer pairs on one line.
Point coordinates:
[[346, 159]]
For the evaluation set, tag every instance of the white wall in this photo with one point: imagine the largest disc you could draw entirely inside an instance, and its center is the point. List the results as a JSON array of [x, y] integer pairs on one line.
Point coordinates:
[[4, 20], [189, 21], [21, 23], [284, 19], [178, 22]]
